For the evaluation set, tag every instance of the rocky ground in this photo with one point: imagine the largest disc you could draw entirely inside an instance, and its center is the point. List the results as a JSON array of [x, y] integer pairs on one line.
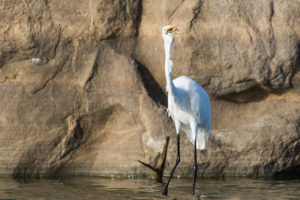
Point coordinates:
[[82, 85]]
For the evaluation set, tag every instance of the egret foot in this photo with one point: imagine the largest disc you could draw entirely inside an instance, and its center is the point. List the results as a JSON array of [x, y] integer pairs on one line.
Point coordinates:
[[165, 191]]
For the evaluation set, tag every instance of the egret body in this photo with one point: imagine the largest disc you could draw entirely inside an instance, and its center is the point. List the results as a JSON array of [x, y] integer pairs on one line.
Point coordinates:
[[188, 105]]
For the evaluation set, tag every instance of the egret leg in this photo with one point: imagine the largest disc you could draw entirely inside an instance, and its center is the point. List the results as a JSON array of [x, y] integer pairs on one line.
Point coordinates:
[[195, 165], [165, 191]]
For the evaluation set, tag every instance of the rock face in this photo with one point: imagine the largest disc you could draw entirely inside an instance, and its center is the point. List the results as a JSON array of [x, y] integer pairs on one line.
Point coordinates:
[[82, 85]]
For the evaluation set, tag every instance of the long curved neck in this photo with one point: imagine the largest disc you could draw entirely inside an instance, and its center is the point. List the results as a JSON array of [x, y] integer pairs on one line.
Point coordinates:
[[168, 69]]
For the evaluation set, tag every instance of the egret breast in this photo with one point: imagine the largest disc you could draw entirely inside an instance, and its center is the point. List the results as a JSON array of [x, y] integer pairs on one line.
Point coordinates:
[[181, 116]]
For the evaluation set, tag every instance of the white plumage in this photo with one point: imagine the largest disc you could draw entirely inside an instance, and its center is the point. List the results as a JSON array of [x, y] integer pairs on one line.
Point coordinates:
[[192, 104], [188, 105]]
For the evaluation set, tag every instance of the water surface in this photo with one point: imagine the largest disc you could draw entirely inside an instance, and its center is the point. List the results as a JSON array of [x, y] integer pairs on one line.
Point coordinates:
[[100, 188]]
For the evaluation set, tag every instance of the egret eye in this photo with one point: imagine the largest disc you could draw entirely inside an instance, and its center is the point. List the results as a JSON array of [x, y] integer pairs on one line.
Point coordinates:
[[170, 31]]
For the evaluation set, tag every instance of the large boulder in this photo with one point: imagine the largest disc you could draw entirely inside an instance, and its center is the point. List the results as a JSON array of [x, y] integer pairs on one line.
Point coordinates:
[[82, 85], [226, 46]]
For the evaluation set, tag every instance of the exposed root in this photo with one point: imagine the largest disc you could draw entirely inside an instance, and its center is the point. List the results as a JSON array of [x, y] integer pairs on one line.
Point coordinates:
[[158, 165]]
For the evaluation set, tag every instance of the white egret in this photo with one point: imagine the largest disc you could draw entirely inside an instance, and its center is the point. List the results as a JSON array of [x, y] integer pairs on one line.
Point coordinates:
[[188, 105]]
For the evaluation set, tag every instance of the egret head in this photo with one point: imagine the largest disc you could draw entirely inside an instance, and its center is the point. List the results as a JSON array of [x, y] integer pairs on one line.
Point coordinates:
[[169, 32]]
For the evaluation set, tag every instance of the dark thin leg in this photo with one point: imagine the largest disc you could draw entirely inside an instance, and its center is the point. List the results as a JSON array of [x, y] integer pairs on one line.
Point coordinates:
[[195, 165], [165, 191]]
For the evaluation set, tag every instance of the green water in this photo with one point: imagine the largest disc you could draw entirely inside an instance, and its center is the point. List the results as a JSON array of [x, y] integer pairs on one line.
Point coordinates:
[[99, 188]]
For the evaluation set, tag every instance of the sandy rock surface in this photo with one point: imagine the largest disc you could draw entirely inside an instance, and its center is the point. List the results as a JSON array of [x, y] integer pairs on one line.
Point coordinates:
[[82, 85]]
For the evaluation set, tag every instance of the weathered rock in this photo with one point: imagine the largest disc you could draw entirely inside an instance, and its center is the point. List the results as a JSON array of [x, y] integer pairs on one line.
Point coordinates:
[[226, 46], [97, 20], [81, 85]]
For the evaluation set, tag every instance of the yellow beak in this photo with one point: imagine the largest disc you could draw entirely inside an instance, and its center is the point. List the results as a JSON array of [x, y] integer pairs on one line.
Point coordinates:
[[175, 35], [172, 27]]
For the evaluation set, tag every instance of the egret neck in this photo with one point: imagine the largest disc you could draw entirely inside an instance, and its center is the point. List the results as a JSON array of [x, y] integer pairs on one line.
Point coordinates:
[[168, 68]]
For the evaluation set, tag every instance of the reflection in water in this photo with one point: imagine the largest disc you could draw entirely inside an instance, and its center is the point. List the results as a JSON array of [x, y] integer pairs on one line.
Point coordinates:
[[99, 188]]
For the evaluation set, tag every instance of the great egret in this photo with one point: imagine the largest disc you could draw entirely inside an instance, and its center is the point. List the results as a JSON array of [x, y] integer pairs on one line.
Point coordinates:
[[188, 105]]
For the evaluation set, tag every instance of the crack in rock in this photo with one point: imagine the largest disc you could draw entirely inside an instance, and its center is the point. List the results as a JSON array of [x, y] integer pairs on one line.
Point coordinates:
[[53, 75]]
